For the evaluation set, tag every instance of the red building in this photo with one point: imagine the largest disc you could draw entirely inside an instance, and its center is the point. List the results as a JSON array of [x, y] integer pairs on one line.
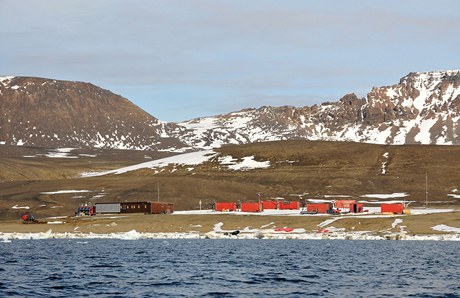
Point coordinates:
[[392, 208], [225, 206], [251, 207], [269, 205], [289, 205], [344, 203], [319, 208]]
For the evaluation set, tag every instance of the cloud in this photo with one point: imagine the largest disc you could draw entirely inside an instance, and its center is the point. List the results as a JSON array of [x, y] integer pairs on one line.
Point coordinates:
[[213, 55]]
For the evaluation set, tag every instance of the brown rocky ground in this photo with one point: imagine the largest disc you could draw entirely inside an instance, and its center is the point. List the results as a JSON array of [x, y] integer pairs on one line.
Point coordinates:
[[317, 168]]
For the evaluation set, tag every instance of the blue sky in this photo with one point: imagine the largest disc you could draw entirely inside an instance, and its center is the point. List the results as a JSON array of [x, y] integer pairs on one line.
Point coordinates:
[[180, 60]]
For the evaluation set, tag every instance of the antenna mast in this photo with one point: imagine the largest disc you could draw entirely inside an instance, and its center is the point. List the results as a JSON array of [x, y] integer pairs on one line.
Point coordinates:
[[426, 189]]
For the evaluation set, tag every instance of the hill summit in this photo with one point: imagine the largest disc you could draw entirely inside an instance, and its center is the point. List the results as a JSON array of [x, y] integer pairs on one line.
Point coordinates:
[[50, 113]]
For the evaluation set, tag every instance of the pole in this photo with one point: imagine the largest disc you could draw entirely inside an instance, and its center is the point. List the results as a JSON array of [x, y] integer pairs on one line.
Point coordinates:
[[158, 191], [426, 189]]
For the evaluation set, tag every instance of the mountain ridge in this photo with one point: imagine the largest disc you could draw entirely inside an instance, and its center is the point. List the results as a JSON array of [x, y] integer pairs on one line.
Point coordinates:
[[423, 108]]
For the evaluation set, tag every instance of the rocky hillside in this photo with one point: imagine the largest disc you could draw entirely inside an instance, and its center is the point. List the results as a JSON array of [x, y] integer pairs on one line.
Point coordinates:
[[424, 108], [39, 112]]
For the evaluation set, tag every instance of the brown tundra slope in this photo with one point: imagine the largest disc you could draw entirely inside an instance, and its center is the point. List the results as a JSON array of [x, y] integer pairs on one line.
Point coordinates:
[[30, 178]]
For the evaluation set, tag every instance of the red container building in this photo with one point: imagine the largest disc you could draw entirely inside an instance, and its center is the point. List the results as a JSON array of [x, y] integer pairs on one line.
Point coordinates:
[[135, 207], [225, 206], [269, 205], [319, 208], [161, 208], [344, 203], [289, 205], [356, 208], [251, 207], [392, 208]]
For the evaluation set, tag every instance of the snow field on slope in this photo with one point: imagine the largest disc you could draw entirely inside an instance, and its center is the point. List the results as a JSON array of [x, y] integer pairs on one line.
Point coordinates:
[[188, 159]]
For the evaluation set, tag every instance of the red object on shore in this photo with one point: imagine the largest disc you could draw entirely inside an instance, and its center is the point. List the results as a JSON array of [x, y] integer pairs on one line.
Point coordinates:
[[319, 208], [392, 208], [225, 206], [289, 205], [269, 205], [287, 230], [251, 207], [25, 217], [356, 208], [344, 203]]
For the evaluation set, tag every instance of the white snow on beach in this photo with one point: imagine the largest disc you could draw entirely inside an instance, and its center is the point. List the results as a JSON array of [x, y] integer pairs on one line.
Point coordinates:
[[396, 222], [444, 228], [327, 222], [55, 222], [218, 227], [219, 233], [422, 210]]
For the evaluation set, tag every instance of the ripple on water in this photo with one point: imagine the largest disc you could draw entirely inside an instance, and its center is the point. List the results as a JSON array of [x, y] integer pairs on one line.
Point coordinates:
[[231, 268]]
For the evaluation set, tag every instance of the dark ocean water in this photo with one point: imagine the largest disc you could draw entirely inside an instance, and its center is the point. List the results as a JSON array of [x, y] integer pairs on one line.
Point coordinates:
[[229, 268]]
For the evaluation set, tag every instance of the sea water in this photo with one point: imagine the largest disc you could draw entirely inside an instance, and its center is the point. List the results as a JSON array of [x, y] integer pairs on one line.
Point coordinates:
[[228, 268]]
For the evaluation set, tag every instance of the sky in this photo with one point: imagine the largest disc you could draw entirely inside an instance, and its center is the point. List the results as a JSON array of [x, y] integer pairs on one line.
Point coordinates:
[[183, 59]]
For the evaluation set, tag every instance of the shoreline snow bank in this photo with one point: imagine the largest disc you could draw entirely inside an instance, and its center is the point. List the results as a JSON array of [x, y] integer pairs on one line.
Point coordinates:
[[218, 233]]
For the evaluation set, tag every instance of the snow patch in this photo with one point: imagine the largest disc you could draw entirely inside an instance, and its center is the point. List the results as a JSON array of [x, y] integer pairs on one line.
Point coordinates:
[[385, 162], [249, 163], [396, 222], [187, 159], [444, 228], [327, 222], [455, 196], [63, 191], [386, 196], [20, 207]]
